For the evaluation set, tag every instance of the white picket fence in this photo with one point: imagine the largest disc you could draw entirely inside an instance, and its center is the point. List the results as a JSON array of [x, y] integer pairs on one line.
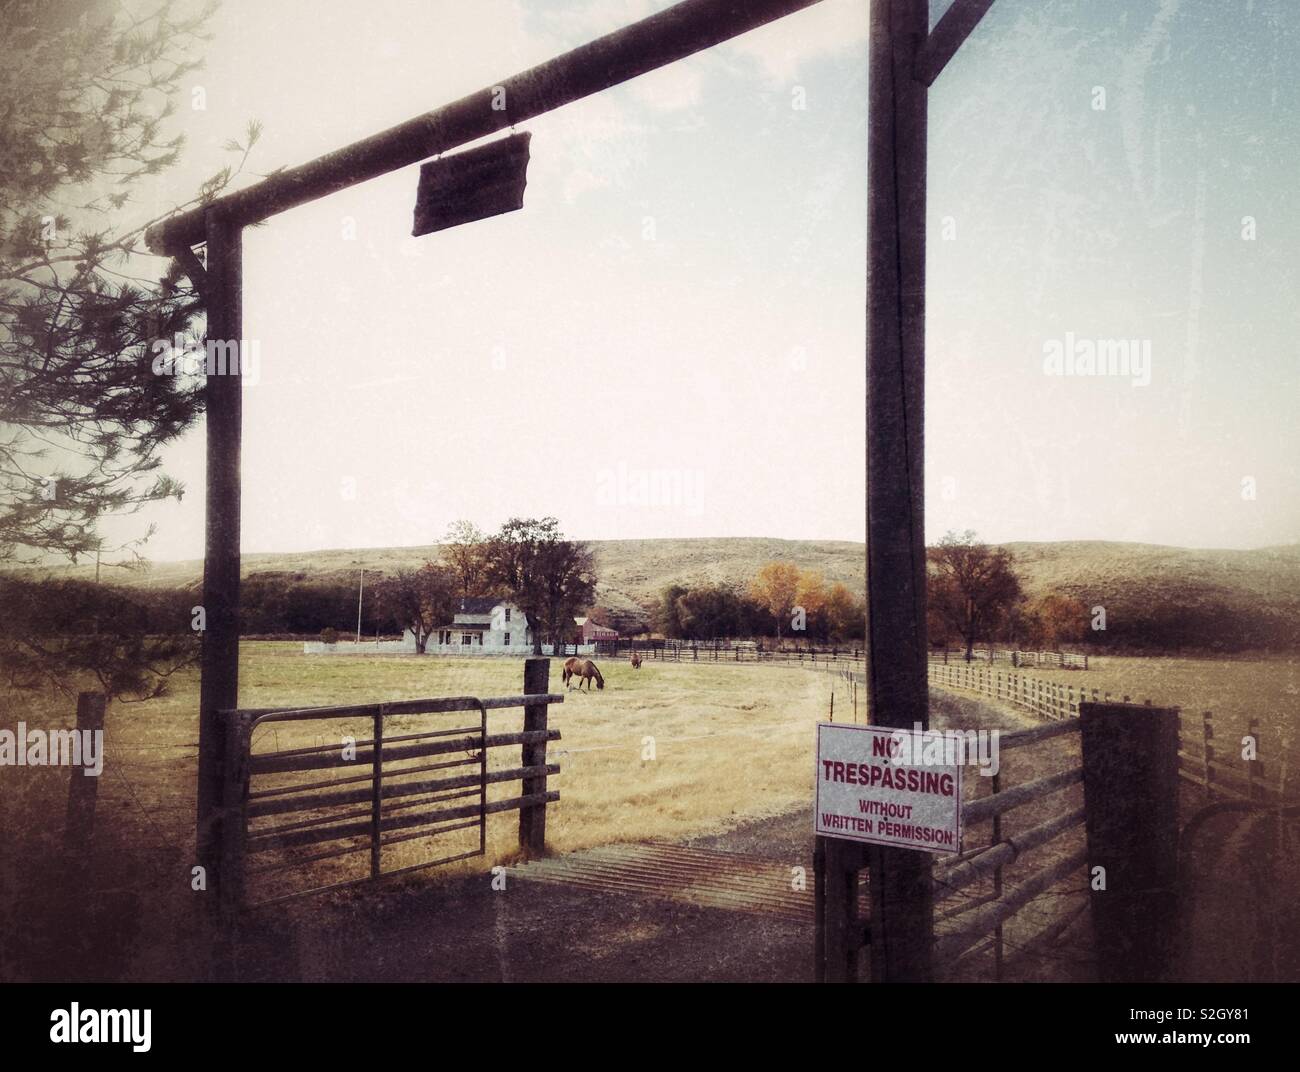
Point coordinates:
[[407, 647], [1054, 660]]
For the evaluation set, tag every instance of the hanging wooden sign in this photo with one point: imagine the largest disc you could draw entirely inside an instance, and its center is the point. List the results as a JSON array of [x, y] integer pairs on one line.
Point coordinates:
[[472, 185]]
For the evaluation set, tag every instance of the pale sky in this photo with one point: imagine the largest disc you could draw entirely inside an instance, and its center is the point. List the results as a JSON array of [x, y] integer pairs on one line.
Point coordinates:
[[668, 340]]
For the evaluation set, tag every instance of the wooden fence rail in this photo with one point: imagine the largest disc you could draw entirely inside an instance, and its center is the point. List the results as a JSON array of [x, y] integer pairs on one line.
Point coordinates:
[[986, 916], [962, 872]]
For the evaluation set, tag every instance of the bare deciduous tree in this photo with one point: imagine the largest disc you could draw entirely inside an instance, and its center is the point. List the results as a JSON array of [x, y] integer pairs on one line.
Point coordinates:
[[972, 586], [464, 550]]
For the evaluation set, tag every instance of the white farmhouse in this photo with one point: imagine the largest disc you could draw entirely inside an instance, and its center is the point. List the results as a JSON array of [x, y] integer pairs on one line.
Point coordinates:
[[482, 626]]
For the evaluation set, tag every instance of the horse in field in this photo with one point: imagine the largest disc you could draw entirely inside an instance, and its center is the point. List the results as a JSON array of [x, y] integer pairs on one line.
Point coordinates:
[[636, 660], [584, 669]]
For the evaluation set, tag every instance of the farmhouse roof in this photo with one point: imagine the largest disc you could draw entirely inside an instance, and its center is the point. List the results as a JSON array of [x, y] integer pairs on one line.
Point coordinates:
[[481, 604]]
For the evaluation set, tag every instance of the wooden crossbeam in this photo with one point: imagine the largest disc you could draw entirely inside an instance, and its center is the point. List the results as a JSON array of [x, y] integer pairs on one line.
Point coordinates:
[[948, 35], [653, 42]]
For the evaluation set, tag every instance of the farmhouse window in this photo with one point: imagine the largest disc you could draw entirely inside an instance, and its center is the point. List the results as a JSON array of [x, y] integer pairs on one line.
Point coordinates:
[[466, 639], [507, 618], [506, 642]]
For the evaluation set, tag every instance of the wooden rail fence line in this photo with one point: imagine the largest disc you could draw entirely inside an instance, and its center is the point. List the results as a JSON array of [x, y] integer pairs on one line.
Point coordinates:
[[1047, 699], [1056, 660], [1229, 775], [816, 654], [1222, 774]]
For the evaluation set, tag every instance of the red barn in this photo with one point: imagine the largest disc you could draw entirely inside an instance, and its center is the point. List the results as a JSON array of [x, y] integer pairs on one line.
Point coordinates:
[[590, 632]]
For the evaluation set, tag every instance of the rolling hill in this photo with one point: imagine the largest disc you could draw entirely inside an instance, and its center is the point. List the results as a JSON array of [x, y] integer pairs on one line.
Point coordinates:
[[1155, 596]]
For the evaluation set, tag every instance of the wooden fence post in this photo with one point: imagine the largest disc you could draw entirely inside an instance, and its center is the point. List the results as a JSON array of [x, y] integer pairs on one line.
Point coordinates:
[[1130, 782], [839, 931], [79, 826], [819, 910], [998, 945], [1254, 771], [1207, 730], [532, 817], [234, 797]]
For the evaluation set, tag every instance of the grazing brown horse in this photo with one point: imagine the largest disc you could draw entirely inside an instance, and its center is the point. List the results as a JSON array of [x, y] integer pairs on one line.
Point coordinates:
[[636, 660], [584, 669]]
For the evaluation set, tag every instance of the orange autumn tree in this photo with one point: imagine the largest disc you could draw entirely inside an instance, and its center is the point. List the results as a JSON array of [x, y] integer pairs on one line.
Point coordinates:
[[845, 613], [775, 588], [811, 597], [1056, 619]]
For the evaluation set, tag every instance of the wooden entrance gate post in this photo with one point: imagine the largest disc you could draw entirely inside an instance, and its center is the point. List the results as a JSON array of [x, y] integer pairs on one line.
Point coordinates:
[[222, 290], [1130, 789], [902, 906], [905, 59]]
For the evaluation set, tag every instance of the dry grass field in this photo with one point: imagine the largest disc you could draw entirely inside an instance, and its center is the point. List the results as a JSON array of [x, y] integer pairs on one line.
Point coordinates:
[[730, 742]]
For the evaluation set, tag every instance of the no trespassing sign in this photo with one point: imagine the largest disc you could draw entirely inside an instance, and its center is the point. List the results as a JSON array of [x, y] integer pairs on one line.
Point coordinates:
[[870, 788]]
